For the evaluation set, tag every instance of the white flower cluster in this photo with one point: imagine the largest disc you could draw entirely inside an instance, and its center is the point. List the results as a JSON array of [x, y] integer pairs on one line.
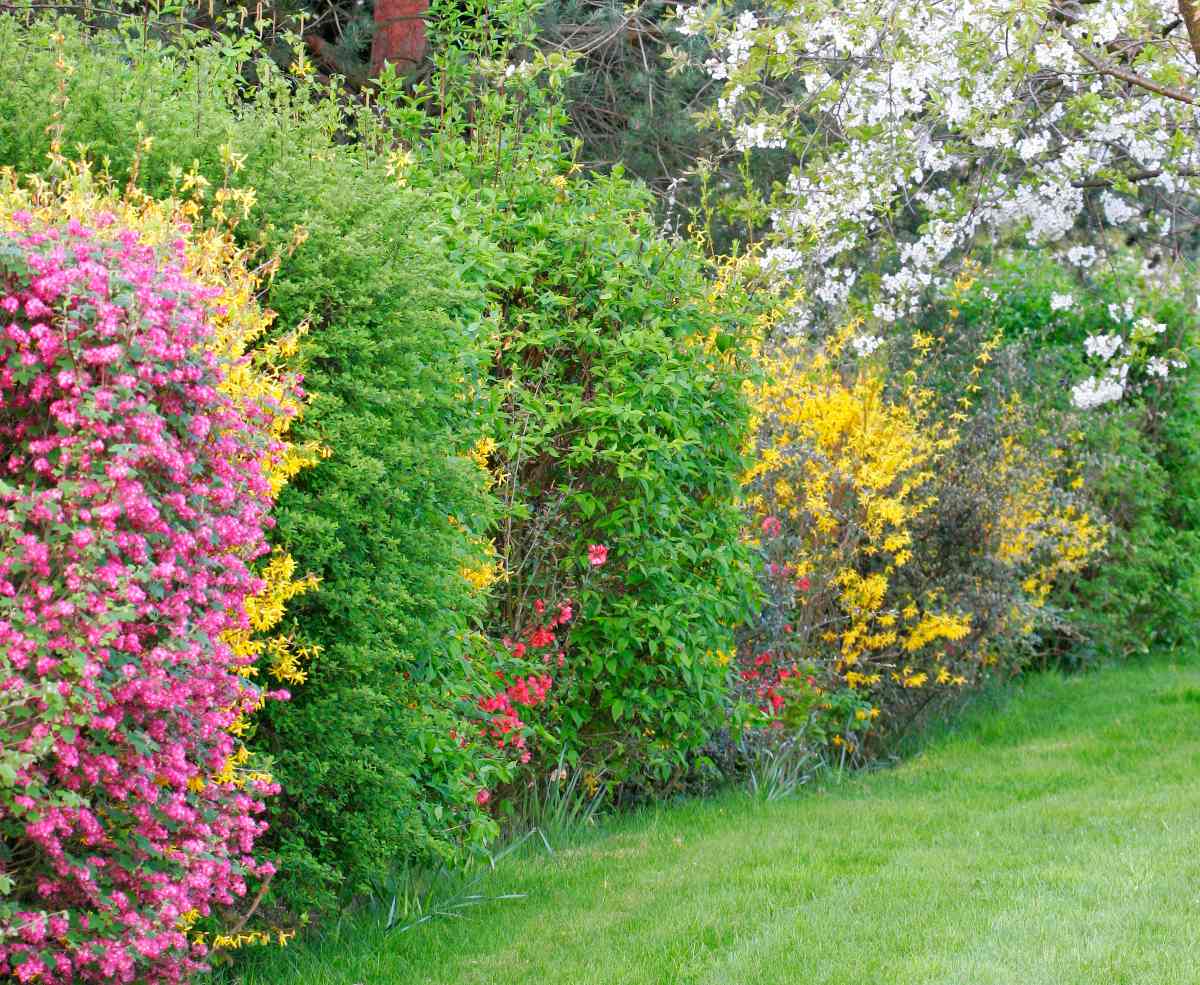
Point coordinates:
[[690, 20], [752, 135], [521, 71], [1157, 366], [1098, 390], [1121, 312], [963, 118], [864, 345], [738, 47], [1082, 256], [1061, 302], [1116, 210], [1104, 346], [783, 259]]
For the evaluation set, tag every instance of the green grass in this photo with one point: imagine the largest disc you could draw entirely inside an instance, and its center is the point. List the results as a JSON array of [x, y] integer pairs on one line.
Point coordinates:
[[1051, 840]]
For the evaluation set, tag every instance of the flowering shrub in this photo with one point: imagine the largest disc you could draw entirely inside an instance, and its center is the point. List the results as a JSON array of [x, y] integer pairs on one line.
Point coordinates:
[[539, 654], [256, 370], [1129, 463], [135, 497], [617, 372], [841, 472], [910, 532]]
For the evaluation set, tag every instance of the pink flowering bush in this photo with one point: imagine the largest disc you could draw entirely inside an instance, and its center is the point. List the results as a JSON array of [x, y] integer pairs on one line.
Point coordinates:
[[133, 500]]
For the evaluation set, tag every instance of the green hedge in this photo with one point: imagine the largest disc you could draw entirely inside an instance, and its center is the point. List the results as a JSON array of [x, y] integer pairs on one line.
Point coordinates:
[[363, 750], [622, 403], [470, 296]]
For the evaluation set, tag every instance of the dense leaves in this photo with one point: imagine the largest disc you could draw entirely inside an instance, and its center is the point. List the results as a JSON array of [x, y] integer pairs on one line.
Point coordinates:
[[622, 422]]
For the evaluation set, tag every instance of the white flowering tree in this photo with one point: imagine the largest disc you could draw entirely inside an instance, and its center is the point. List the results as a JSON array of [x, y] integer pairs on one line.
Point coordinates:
[[917, 127]]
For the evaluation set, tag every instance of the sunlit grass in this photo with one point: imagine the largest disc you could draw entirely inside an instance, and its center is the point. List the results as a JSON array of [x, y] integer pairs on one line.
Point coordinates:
[[1051, 840]]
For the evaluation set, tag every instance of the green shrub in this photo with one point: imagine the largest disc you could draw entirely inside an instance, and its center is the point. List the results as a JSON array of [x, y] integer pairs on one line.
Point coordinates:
[[619, 421], [366, 749], [1140, 456], [623, 424]]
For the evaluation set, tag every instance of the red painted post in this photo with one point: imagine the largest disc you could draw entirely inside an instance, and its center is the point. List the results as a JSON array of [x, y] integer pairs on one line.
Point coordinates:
[[399, 34]]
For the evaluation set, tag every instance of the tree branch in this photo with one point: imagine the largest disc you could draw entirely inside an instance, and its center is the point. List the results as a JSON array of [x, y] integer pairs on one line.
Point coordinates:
[[1125, 75], [1136, 176]]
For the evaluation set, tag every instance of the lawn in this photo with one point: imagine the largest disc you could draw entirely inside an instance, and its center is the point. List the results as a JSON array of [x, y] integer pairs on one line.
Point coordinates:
[[1051, 839]]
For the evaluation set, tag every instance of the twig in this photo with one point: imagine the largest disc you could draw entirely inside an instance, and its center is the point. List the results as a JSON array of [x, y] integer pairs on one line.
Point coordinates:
[[1125, 75], [258, 898]]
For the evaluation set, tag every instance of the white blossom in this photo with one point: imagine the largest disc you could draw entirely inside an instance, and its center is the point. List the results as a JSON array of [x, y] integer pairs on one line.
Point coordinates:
[[1030, 147], [1095, 391], [690, 20], [1148, 326], [1121, 312], [864, 345], [1060, 302], [1116, 210], [752, 135], [1082, 256], [1104, 346], [963, 118]]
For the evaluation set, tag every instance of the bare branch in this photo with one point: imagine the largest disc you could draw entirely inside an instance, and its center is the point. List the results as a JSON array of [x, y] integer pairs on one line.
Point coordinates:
[[1126, 75]]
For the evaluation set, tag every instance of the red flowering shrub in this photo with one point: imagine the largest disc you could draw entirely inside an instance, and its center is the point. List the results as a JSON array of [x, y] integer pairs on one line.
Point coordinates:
[[132, 501], [764, 679]]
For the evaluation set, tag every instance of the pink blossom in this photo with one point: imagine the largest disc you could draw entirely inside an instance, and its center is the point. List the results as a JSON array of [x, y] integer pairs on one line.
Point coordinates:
[[171, 517]]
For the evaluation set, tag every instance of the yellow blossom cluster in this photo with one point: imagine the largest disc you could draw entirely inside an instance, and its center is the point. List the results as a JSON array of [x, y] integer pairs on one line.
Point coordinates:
[[488, 568], [245, 938], [1038, 529], [844, 470]]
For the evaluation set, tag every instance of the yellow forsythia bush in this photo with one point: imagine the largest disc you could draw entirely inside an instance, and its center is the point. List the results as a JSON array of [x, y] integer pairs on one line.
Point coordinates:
[[859, 623]]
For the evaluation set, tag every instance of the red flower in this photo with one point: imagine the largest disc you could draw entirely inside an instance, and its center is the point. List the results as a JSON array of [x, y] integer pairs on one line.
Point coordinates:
[[771, 526], [804, 584], [597, 555], [483, 797]]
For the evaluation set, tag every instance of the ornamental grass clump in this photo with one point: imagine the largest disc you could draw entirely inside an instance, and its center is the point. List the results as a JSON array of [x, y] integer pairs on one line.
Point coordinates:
[[134, 499]]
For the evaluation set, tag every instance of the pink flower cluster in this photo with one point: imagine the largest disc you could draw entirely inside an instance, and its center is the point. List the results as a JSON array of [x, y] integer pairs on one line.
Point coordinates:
[[132, 502]]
